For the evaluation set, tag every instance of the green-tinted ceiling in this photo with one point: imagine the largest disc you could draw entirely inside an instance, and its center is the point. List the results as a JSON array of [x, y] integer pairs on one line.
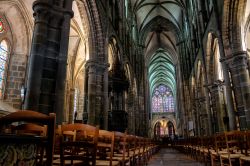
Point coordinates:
[[161, 71], [146, 10]]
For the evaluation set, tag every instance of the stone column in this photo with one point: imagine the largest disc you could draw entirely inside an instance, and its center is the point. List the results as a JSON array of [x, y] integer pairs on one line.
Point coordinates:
[[241, 83], [208, 112], [229, 97], [91, 68], [105, 98], [248, 62], [101, 104], [66, 9], [218, 111], [85, 98], [227, 86], [47, 68], [97, 105], [131, 121], [71, 105], [197, 118]]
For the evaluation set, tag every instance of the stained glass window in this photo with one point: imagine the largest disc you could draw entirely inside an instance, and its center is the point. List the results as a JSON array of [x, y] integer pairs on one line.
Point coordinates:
[[3, 59], [1, 26], [162, 100]]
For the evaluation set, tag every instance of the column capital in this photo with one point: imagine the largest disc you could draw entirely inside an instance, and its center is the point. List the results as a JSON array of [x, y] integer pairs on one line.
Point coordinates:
[[52, 8], [236, 56], [95, 64]]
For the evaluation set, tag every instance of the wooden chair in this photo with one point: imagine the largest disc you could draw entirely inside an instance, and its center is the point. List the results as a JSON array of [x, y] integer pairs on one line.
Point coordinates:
[[132, 148], [58, 135], [78, 144], [30, 136], [142, 151], [234, 141], [35, 130], [245, 159], [207, 146], [138, 150], [148, 149], [219, 148], [121, 149], [105, 148]]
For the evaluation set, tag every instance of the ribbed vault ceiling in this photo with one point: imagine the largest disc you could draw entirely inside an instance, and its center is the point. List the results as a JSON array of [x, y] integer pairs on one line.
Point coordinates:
[[161, 70], [159, 23], [146, 10]]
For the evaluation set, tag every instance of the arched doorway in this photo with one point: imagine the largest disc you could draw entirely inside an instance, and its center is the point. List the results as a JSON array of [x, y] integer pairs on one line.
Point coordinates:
[[164, 130]]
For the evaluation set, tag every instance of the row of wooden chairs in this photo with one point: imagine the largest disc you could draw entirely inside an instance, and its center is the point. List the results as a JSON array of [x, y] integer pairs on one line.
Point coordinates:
[[88, 145], [228, 148], [72, 144]]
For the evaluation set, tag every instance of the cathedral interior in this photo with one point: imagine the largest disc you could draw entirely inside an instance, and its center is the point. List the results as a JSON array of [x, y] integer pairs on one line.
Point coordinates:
[[153, 68]]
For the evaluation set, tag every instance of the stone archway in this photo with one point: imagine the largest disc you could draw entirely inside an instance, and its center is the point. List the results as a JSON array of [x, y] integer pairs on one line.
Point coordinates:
[[163, 122], [236, 57], [16, 21], [164, 130]]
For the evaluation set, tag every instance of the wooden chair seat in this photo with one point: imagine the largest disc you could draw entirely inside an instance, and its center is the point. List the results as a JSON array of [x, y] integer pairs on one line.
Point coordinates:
[[68, 162], [119, 158], [121, 155], [107, 163], [104, 145], [237, 155], [245, 158], [218, 153], [205, 150]]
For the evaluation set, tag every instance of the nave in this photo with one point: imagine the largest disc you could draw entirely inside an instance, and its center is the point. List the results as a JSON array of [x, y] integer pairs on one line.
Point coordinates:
[[158, 70], [172, 157]]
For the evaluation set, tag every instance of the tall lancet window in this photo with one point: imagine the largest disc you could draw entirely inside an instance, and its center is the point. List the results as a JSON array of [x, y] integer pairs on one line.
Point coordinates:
[[4, 52]]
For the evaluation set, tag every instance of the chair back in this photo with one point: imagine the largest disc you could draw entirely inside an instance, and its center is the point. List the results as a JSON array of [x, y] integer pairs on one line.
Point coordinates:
[[121, 145], [78, 143], [106, 144], [29, 127]]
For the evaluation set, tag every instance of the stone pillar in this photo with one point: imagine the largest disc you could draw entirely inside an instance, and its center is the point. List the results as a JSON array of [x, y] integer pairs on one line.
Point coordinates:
[[208, 112], [248, 62], [227, 86], [105, 98], [229, 97], [131, 121], [241, 83], [218, 111], [62, 58], [85, 98], [47, 68], [97, 105], [101, 113], [197, 117], [91, 68], [71, 105]]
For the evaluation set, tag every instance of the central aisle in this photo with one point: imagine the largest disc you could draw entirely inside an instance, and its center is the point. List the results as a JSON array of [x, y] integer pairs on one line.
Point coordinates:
[[171, 157]]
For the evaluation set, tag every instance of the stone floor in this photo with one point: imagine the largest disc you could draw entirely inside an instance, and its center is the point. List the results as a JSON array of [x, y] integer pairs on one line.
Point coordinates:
[[171, 157]]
